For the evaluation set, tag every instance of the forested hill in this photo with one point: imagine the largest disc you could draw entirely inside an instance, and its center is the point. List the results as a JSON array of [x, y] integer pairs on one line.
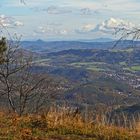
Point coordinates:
[[52, 46]]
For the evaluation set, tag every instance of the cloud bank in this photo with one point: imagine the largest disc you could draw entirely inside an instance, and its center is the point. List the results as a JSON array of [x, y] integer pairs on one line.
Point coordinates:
[[9, 22], [108, 26]]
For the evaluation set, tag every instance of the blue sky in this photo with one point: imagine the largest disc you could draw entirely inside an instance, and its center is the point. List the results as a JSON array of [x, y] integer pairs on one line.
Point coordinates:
[[68, 19]]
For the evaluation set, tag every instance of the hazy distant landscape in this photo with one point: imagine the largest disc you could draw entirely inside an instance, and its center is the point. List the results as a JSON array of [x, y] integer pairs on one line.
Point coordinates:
[[95, 70], [69, 70]]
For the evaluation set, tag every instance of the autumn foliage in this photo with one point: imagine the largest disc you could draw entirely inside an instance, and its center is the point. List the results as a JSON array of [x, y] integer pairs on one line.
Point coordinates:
[[59, 126]]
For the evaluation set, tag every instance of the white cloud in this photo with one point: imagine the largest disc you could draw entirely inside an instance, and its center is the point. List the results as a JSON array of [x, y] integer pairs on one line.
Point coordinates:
[[5, 21], [114, 5], [111, 24], [9, 22], [70, 15], [53, 10], [86, 11], [18, 23], [50, 30], [86, 28], [56, 10], [106, 27], [2, 16]]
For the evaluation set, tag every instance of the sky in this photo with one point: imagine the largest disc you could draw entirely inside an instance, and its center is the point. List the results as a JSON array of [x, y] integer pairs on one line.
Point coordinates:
[[68, 19]]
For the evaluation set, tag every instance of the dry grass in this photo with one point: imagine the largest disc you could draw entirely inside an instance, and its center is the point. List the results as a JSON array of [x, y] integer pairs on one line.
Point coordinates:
[[59, 126]]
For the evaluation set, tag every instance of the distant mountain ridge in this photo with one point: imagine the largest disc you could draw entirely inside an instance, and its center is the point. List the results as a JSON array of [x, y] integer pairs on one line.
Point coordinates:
[[55, 46], [97, 40]]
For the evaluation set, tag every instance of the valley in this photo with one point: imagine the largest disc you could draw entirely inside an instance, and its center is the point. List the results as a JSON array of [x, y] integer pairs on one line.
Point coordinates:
[[108, 76]]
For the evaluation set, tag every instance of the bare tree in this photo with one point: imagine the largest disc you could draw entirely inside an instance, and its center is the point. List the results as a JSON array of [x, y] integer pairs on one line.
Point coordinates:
[[2, 49], [24, 90], [126, 33]]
